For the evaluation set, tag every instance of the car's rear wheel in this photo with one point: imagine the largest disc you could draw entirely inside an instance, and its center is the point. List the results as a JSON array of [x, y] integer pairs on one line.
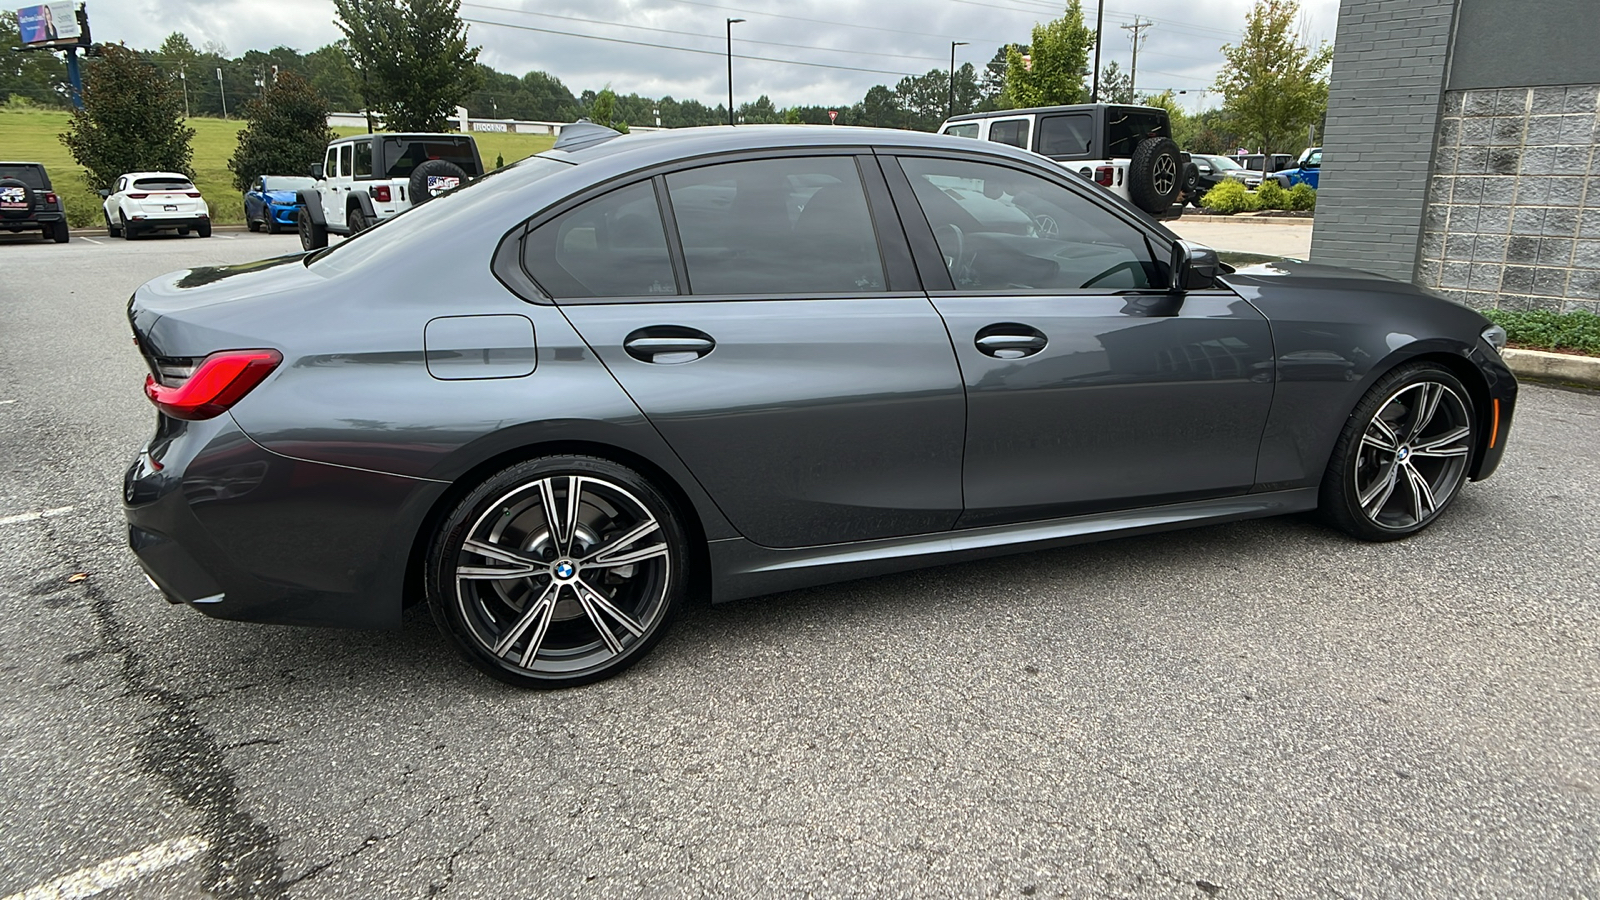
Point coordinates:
[[59, 232], [358, 221], [558, 571], [1403, 455], [203, 229], [312, 235]]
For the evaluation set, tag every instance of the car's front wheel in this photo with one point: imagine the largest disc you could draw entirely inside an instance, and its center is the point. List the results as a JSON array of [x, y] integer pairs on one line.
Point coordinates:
[[1403, 455], [558, 571], [312, 235], [112, 230]]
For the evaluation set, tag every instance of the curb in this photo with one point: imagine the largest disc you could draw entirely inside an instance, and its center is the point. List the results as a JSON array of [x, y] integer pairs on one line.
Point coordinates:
[[1246, 219], [1541, 365]]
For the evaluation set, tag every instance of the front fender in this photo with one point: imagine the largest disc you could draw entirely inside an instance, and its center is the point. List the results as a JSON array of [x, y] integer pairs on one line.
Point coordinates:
[[311, 202]]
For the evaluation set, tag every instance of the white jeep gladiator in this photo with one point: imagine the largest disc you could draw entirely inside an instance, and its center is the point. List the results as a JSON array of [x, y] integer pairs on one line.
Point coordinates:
[[368, 178]]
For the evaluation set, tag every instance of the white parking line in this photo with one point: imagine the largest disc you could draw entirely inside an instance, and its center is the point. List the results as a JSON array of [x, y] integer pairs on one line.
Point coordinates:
[[227, 237], [32, 516], [4, 402], [90, 240], [116, 872]]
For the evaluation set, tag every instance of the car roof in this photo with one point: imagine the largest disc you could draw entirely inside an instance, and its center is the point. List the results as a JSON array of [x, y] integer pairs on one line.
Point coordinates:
[[683, 143], [156, 175], [1031, 110], [4, 162], [409, 134]]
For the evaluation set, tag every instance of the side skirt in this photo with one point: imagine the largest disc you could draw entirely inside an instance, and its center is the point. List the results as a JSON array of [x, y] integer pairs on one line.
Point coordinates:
[[742, 569]]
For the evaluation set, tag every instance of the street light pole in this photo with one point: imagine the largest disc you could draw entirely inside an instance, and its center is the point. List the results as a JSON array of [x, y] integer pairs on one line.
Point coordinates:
[[730, 68], [952, 106], [1099, 29], [224, 93]]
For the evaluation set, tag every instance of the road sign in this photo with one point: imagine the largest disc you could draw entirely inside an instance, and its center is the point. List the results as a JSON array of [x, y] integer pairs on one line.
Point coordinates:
[[833, 115]]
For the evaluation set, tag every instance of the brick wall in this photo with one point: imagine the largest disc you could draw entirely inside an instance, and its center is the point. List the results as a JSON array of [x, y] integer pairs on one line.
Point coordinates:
[[1513, 214], [1383, 110]]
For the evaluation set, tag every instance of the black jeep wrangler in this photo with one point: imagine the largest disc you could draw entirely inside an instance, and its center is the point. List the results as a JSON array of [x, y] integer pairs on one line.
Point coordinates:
[[28, 203]]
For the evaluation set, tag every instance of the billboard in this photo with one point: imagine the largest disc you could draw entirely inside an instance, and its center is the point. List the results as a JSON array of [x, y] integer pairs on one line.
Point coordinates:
[[48, 24]]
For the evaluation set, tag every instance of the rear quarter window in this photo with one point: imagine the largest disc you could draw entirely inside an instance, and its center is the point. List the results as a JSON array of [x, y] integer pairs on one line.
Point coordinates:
[[965, 129]]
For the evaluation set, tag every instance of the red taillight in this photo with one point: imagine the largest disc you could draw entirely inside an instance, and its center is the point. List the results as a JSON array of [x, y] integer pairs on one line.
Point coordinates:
[[137, 196], [1102, 175], [50, 197], [221, 380], [195, 194], [381, 193]]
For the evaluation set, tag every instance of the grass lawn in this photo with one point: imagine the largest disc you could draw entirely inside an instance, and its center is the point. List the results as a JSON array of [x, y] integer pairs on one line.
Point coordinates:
[[31, 136]]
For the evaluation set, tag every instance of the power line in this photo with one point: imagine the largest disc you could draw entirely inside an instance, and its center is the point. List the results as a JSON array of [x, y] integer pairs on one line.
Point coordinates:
[[698, 34], [773, 15], [612, 40], [1138, 38]]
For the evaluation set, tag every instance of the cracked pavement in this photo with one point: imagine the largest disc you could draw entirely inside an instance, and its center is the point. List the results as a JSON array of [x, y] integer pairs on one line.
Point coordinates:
[[1250, 710]]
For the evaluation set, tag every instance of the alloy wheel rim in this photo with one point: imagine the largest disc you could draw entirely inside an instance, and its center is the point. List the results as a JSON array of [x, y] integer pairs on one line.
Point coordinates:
[[563, 575], [1166, 175], [1413, 456]]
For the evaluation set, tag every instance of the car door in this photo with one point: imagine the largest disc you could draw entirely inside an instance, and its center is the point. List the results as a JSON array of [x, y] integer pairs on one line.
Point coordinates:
[[782, 346], [337, 171], [1090, 386]]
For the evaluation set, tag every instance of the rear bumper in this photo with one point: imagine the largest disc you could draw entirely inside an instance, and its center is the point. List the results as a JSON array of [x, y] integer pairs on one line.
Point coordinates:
[[34, 221], [158, 223], [238, 532]]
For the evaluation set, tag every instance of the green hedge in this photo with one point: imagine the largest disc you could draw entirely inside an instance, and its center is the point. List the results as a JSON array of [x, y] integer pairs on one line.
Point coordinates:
[[1230, 197], [1571, 332]]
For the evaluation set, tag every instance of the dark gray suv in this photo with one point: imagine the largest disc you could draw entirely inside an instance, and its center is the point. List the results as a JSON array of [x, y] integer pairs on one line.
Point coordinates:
[[745, 360], [29, 203]]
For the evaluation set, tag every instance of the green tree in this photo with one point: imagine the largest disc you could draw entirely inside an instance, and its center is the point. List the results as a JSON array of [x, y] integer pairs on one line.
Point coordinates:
[[1116, 86], [603, 111], [1052, 69], [132, 120], [334, 78], [992, 90], [1182, 125], [1273, 84], [880, 108], [286, 131], [413, 58]]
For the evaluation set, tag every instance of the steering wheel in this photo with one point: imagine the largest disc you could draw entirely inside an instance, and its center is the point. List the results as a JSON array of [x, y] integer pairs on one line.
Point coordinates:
[[1047, 226], [951, 262], [1135, 267]]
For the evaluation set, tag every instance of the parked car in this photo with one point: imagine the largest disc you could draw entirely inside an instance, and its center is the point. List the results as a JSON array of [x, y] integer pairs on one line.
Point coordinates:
[[144, 202], [271, 201], [372, 177], [29, 203], [1127, 150], [1307, 169], [1210, 171], [755, 359]]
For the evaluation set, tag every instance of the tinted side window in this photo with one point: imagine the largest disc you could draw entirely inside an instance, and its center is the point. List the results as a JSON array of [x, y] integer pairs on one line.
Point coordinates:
[[611, 246], [363, 161], [1126, 128], [1010, 131], [776, 226], [1071, 135], [965, 129], [1000, 229], [330, 166]]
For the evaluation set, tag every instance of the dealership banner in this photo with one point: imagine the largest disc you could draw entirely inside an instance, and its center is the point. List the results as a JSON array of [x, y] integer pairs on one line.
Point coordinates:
[[49, 23]]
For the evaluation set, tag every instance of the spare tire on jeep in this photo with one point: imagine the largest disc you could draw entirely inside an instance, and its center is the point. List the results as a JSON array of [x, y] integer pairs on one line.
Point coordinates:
[[433, 178], [1155, 175], [17, 200]]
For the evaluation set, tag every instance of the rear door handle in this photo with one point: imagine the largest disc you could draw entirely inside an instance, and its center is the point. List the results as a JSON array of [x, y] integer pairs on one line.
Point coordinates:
[[1010, 340], [668, 344]]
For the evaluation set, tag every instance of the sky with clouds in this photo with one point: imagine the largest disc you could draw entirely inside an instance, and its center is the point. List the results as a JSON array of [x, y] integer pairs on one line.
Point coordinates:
[[676, 47]]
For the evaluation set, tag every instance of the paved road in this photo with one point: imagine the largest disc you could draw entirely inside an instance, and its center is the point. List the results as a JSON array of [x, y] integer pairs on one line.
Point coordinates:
[[1293, 241], [1251, 710]]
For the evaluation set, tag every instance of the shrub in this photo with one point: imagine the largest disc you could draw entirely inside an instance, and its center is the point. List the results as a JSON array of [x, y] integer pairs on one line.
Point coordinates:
[[131, 121], [286, 131], [1545, 330], [1303, 197], [1230, 197], [1271, 195]]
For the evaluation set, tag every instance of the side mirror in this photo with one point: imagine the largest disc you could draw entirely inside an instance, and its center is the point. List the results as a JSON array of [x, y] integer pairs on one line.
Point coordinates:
[[103, 192], [1204, 168], [315, 171], [1194, 267]]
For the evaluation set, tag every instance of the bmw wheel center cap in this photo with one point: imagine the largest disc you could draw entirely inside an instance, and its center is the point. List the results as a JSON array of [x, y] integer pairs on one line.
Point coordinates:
[[564, 570]]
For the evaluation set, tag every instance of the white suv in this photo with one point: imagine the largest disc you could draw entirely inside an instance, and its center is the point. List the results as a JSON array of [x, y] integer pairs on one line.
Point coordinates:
[[1126, 149], [368, 178], [141, 202]]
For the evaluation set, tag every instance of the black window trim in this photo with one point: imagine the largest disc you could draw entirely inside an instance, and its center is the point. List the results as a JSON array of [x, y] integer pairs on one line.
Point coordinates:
[[512, 272]]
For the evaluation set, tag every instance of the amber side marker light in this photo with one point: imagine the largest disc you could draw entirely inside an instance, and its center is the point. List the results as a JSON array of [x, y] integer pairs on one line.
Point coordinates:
[[1494, 426], [221, 380]]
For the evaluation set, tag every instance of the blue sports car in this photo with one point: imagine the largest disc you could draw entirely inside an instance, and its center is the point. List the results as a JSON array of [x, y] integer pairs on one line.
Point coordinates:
[[270, 201]]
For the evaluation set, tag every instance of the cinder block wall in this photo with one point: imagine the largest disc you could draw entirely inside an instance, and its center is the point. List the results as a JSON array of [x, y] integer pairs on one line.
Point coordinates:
[[1384, 100]]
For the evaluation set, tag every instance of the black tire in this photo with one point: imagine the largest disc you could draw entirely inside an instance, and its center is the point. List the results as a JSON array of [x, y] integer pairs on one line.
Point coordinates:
[[574, 638], [1375, 488], [128, 233], [272, 224], [59, 232], [1191, 179], [1155, 175], [312, 235], [111, 230], [17, 204], [434, 168], [357, 220], [203, 229], [253, 224]]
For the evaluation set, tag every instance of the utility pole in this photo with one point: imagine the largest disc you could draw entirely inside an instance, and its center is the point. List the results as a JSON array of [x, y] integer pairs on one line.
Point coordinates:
[[1099, 27], [224, 93], [183, 79], [1137, 28], [952, 107], [731, 23]]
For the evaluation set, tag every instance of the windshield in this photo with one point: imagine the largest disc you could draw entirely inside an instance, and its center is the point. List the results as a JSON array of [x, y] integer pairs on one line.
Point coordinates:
[[448, 210], [287, 183], [1222, 162]]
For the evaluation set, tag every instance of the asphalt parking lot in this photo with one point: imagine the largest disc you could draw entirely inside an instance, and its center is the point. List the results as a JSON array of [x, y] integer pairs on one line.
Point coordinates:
[[1262, 709]]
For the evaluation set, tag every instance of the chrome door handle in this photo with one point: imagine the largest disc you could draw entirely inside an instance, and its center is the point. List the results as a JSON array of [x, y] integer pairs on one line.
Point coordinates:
[[667, 349], [1010, 341]]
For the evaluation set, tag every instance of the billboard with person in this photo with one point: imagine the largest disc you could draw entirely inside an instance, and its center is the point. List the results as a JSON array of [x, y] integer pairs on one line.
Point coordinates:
[[48, 24]]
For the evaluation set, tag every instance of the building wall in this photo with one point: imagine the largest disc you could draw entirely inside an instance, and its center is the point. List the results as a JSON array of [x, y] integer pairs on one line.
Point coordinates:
[[1513, 216], [1384, 101]]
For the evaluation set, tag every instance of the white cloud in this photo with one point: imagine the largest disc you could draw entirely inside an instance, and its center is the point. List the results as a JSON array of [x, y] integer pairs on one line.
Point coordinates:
[[1181, 50]]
